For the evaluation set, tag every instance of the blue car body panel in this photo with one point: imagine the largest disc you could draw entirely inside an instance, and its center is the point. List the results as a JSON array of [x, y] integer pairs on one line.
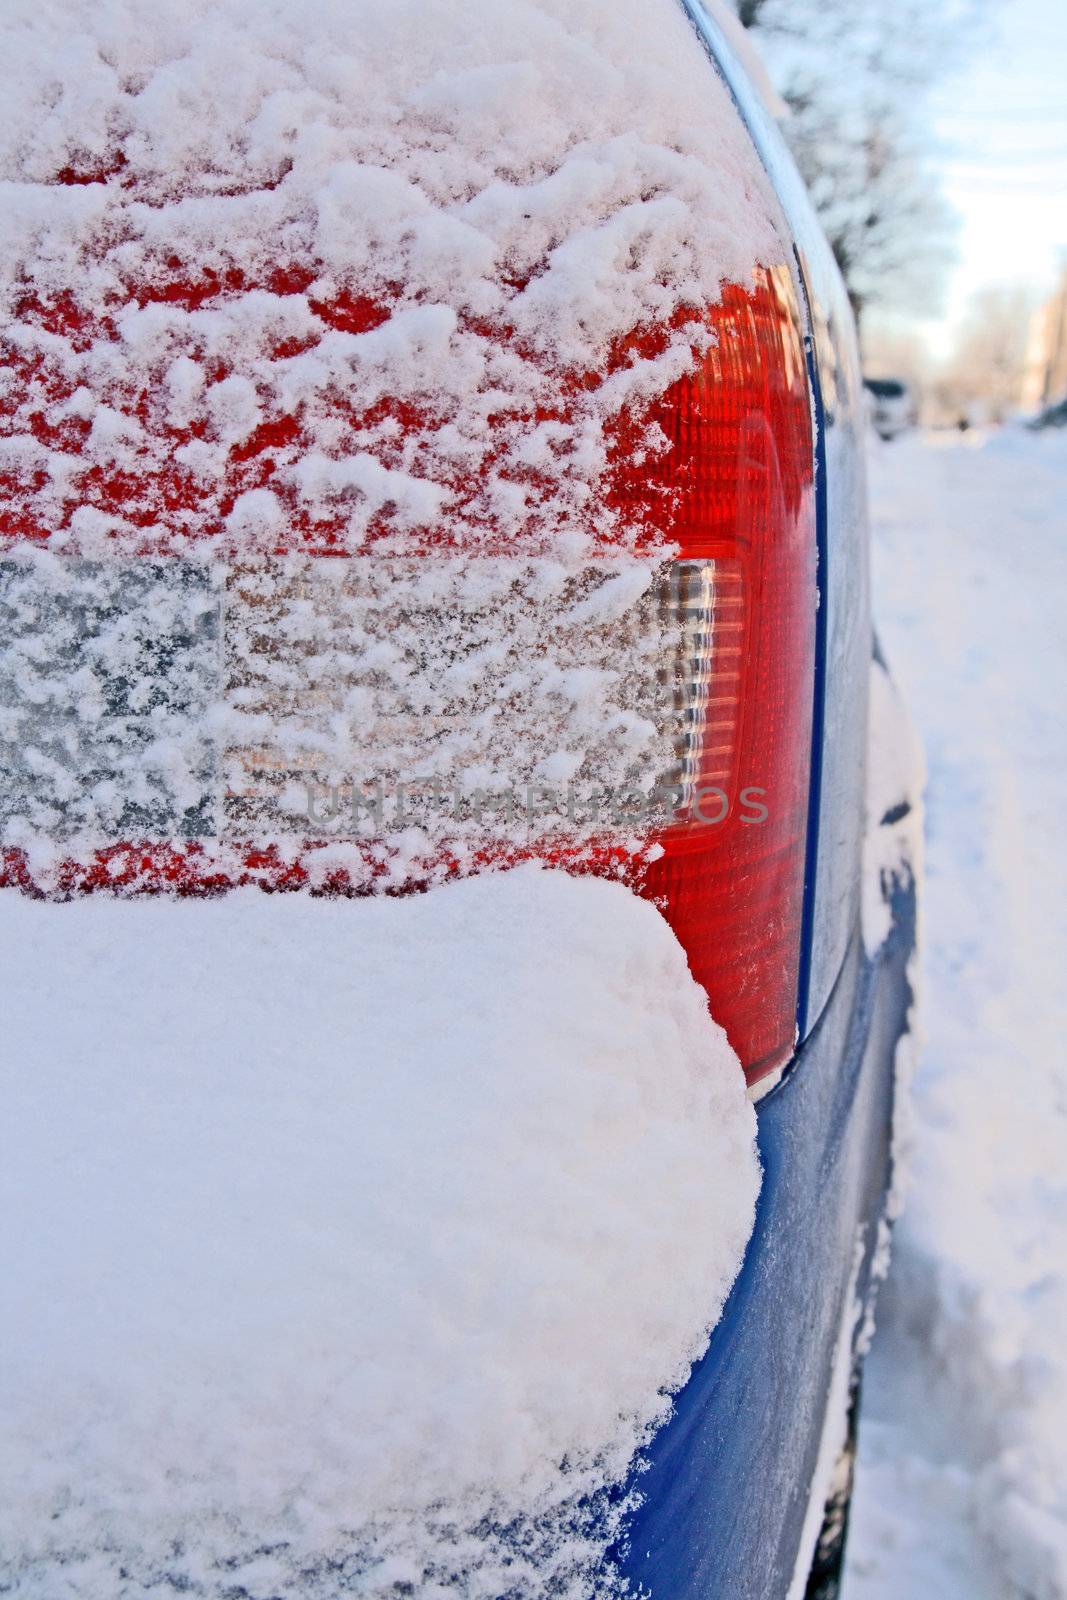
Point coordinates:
[[726, 1486], [726, 1491]]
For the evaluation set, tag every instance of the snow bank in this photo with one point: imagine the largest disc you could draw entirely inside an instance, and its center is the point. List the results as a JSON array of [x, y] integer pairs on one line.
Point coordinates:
[[351, 1244], [963, 1442], [892, 846], [893, 857]]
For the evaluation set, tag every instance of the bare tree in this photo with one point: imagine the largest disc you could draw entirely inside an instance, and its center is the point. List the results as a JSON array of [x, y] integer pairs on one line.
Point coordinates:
[[855, 75], [984, 373]]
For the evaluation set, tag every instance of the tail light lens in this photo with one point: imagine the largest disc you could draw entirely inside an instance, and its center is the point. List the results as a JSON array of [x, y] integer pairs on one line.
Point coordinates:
[[742, 470], [301, 719]]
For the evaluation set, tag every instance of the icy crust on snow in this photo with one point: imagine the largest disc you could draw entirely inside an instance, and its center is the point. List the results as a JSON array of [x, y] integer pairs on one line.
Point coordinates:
[[893, 856], [354, 266], [359, 1244], [896, 775]]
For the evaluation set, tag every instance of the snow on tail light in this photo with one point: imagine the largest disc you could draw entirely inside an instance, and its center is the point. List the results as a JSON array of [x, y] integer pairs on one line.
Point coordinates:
[[348, 722]]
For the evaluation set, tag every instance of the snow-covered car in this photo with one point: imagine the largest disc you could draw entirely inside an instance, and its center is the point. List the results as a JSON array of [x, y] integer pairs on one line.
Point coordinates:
[[892, 406], [442, 880]]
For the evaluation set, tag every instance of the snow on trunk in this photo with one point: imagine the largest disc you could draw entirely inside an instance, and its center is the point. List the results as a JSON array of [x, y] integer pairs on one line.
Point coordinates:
[[352, 1240]]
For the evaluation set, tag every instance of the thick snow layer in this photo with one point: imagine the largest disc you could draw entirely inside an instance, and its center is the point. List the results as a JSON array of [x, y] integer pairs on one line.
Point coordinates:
[[354, 266], [351, 1244], [962, 1482]]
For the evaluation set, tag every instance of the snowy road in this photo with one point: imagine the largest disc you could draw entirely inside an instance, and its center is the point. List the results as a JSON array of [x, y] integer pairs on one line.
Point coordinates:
[[962, 1484]]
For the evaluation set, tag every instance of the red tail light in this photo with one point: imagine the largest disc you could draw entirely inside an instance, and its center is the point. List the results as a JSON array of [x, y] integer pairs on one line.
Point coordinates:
[[734, 494], [742, 469]]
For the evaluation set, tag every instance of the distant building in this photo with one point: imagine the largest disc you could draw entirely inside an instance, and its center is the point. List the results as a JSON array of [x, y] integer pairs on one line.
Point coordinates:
[[1045, 379]]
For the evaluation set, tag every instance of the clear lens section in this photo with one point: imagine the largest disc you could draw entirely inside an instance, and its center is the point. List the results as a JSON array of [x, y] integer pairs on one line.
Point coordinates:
[[490, 676], [706, 599], [300, 697]]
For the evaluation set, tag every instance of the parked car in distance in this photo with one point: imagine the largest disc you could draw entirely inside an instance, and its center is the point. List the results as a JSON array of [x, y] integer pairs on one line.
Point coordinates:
[[893, 406]]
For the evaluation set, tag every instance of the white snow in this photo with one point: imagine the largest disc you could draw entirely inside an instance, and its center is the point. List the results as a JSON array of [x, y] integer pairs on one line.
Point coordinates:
[[962, 1483], [350, 1244]]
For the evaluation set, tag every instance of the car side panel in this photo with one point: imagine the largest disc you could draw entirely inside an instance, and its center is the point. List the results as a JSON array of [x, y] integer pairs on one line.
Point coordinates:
[[726, 1492]]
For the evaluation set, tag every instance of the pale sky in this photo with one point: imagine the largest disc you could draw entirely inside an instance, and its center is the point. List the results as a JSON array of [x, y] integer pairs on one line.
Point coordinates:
[[1001, 130]]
